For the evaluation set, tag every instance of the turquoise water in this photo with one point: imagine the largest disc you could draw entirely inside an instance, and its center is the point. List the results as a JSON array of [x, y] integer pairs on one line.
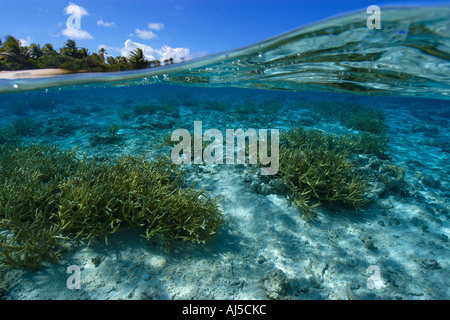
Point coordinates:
[[315, 78]]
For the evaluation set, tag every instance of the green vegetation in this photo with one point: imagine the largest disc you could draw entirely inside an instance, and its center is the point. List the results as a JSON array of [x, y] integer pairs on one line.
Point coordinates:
[[137, 59], [145, 109], [114, 128], [60, 126], [49, 197], [363, 118], [392, 176], [317, 166], [370, 123], [8, 135], [14, 56], [111, 137], [148, 109], [19, 128], [353, 116], [365, 143]]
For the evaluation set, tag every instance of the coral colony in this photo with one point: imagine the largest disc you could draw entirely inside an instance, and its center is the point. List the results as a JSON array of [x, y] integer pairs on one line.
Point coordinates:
[[50, 196]]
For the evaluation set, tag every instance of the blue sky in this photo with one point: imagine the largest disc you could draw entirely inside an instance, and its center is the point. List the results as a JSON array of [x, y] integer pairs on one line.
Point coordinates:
[[199, 27]]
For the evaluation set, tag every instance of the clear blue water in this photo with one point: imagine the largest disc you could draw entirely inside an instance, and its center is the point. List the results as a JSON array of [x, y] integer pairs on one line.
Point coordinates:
[[283, 83]]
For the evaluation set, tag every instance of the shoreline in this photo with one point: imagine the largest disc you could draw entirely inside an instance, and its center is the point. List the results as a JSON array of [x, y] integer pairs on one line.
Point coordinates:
[[32, 73]]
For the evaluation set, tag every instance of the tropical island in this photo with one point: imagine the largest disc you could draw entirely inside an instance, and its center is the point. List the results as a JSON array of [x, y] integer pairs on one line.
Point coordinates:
[[14, 56]]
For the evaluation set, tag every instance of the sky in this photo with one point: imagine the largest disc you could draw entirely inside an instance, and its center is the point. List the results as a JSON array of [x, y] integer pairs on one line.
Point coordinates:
[[167, 28]]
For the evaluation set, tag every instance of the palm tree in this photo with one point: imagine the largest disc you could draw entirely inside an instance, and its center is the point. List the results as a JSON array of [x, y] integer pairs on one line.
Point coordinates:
[[122, 59], [155, 63], [83, 53], [48, 50], [71, 45], [112, 60], [14, 52], [102, 53], [137, 59], [168, 61], [36, 51], [70, 49]]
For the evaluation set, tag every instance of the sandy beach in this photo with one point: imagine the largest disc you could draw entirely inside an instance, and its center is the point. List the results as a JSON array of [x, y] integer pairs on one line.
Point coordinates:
[[35, 73]]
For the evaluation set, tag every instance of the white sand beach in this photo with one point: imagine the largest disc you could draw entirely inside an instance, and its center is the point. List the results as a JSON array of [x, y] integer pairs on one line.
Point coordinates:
[[35, 73]]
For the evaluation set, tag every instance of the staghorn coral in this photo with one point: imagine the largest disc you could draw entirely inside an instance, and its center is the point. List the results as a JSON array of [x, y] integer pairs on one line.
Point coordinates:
[[315, 165], [365, 143], [363, 118], [150, 109], [114, 128], [51, 196], [111, 138], [60, 126], [26, 127], [29, 233], [19, 128], [354, 115], [8, 135]]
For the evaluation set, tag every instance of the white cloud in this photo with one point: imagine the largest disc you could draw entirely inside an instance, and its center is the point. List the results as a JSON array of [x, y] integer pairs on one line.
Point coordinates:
[[145, 34], [166, 52], [105, 24], [77, 34], [149, 52], [25, 42], [178, 54], [109, 49], [156, 26], [72, 8], [73, 25]]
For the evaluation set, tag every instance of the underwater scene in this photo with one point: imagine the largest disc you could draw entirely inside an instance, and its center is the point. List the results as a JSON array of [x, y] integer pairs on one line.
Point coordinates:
[[313, 165]]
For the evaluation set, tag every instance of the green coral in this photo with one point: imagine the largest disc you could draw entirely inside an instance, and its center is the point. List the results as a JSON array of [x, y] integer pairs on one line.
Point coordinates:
[[392, 176], [19, 128], [149, 109], [50, 196], [114, 128], [111, 138], [354, 116], [317, 168], [365, 143], [8, 135], [145, 109], [363, 118], [60, 126], [25, 127]]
